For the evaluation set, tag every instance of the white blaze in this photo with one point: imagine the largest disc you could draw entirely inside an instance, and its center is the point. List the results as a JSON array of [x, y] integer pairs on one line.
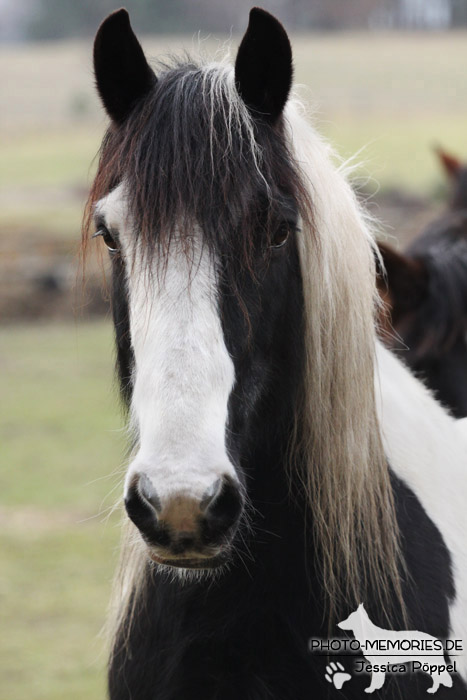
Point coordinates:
[[183, 373]]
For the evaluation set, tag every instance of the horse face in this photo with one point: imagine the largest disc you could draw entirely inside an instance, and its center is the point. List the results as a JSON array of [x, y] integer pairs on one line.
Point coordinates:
[[204, 332], [181, 489], [205, 361]]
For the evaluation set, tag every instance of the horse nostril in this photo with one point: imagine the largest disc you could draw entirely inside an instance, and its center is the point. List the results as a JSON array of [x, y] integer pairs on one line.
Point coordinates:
[[222, 504], [142, 505], [211, 494], [149, 492]]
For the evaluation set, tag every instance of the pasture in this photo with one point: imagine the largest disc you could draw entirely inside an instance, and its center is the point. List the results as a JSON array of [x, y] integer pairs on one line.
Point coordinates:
[[61, 444], [389, 97]]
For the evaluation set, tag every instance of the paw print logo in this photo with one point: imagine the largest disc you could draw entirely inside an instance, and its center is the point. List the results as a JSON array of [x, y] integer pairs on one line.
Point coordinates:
[[336, 674]]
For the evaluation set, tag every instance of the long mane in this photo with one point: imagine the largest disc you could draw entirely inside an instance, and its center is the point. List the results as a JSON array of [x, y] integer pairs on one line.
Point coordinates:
[[346, 474], [345, 477]]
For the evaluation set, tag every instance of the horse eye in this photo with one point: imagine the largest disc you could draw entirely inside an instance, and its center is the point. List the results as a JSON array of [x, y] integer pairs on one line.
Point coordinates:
[[281, 236], [109, 241]]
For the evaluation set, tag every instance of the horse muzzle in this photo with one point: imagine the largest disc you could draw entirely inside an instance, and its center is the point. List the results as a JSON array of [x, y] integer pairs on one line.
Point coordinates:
[[182, 531]]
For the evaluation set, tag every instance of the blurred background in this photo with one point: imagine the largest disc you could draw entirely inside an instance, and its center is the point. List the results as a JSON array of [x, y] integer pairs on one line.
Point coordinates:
[[384, 79]]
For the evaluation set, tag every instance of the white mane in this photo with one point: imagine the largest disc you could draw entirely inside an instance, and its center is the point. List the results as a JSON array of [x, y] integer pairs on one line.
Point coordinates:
[[425, 446], [346, 476]]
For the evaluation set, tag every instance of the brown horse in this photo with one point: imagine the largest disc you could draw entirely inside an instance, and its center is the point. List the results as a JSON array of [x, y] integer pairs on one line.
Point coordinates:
[[425, 293]]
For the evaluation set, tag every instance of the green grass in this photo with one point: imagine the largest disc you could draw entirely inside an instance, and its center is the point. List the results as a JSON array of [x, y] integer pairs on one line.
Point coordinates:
[[61, 427], [62, 449], [45, 176], [55, 587], [47, 158], [398, 158], [389, 97]]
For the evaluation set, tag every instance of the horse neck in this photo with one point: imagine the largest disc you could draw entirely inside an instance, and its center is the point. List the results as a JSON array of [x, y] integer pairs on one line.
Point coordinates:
[[417, 434]]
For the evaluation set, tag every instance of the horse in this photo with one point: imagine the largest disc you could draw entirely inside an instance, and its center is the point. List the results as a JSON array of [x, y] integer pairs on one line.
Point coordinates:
[[285, 467], [425, 293], [424, 289]]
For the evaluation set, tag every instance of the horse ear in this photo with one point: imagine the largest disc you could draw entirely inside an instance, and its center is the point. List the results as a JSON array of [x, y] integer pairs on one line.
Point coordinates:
[[406, 278], [122, 73], [263, 68], [451, 164]]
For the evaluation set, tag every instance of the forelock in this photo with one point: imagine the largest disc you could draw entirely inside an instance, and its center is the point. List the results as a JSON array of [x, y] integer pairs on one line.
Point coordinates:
[[192, 153]]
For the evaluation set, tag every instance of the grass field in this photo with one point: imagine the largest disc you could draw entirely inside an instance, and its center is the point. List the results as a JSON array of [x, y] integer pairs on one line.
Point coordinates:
[[62, 451], [390, 97]]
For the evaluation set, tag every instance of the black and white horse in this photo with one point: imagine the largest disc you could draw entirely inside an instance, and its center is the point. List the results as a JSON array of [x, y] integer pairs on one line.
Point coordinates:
[[274, 483]]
